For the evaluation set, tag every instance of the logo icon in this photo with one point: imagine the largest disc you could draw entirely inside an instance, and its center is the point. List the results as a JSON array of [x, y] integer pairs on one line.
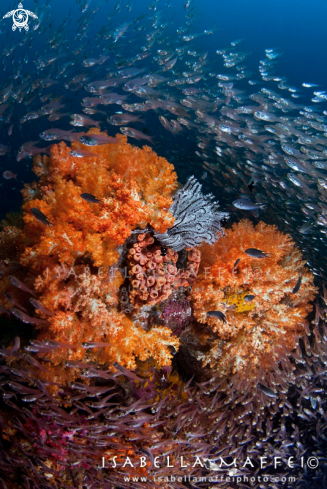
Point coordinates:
[[20, 18]]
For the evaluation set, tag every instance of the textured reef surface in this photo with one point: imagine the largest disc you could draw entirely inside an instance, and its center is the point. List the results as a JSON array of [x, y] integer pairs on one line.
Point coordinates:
[[142, 323]]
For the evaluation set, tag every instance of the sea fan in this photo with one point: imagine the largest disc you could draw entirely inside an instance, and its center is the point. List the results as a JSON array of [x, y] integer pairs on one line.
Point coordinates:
[[196, 219]]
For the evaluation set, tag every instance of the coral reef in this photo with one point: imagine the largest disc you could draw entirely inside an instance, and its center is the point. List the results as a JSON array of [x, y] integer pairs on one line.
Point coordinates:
[[197, 218], [117, 415], [59, 442], [120, 367], [253, 331], [72, 263]]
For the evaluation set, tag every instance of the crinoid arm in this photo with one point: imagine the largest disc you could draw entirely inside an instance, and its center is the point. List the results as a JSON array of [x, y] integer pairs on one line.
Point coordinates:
[[197, 218]]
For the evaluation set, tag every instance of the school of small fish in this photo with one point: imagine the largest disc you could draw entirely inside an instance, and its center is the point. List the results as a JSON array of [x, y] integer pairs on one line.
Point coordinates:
[[206, 110]]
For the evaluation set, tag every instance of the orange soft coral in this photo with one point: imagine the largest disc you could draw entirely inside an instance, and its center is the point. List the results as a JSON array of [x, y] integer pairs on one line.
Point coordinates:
[[85, 312], [250, 335], [134, 186], [73, 263]]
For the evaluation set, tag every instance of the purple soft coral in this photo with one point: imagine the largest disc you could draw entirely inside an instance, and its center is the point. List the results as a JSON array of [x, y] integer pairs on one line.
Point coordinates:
[[176, 313]]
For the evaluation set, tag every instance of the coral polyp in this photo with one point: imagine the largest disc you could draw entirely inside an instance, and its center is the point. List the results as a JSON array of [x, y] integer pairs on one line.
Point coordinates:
[[154, 272]]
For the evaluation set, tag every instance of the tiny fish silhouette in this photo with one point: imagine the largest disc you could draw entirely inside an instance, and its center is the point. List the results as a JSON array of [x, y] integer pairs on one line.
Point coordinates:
[[125, 371], [95, 344], [217, 314], [25, 318], [236, 263], [249, 298], [90, 198], [40, 307], [266, 390], [88, 141], [247, 205], [9, 174], [20, 285], [41, 217], [256, 253], [298, 284], [251, 186], [81, 154]]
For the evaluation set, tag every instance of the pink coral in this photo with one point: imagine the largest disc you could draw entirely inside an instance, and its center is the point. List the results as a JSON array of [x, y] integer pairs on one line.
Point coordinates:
[[153, 271]]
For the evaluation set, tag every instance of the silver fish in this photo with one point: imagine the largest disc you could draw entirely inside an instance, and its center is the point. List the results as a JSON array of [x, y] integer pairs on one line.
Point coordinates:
[[266, 390], [20, 285], [247, 205]]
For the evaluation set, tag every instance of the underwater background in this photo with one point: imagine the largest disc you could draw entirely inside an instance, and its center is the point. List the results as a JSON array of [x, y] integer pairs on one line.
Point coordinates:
[[162, 244]]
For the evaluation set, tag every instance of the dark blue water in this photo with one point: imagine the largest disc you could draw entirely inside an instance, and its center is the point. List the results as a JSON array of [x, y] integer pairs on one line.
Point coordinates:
[[294, 28]]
